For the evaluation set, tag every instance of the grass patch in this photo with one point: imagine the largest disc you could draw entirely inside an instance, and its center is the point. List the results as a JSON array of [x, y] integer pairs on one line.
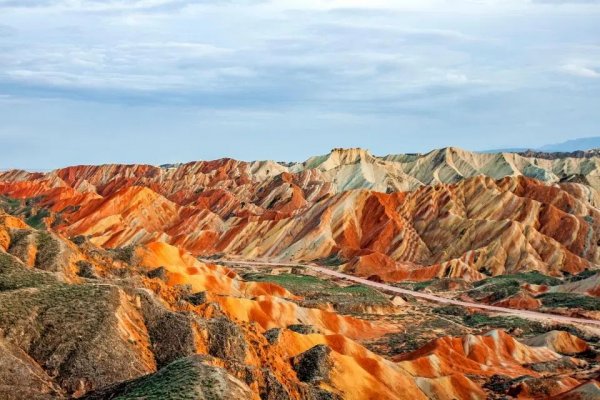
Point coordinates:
[[9, 204], [333, 260], [47, 250], [183, 379], [583, 275], [500, 287], [416, 334], [81, 310], [570, 300], [15, 276], [313, 288], [423, 285], [26, 209], [298, 284], [418, 286], [496, 290], [451, 310], [36, 220], [68, 329], [480, 320], [534, 278]]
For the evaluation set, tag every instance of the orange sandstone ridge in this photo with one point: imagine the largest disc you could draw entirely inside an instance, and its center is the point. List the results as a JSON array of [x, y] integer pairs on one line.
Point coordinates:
[[471, 229]]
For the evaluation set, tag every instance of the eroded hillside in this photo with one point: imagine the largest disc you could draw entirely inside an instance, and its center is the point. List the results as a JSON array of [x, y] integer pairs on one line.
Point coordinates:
[[467, 216], [153, 322], [128, 281]]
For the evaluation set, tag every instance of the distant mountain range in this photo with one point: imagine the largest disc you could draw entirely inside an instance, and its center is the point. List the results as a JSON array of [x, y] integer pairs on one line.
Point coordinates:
[[568, 146]]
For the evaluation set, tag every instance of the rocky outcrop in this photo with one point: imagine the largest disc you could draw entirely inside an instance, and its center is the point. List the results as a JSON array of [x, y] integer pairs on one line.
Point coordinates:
[[272, 389], [521, 300], [560, 342], [469, 354], [272, 335], [589, 285], [22, 378], [172, 335], [226, 340], [314, 365], [586, 391], [529, 387], [196, 298], [303, 329]]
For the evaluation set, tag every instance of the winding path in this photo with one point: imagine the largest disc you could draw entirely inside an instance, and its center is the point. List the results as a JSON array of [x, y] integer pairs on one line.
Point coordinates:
[[426, 296]]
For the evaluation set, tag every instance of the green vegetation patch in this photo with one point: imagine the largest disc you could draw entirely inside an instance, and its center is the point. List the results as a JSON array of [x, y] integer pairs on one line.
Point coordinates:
[[496, 290], [533, 277], [298, 284], [48, 249], [570, 300], [80, 304], [313, 288], [26, 209], [9, 204], [176, 381], [184, 379], [480, 320], [36, 220], [422, 285], [416, 334], [333, 260], [583, 275], [418, 286], [502, 286], [13, 275], [68, 328], [453, 310]]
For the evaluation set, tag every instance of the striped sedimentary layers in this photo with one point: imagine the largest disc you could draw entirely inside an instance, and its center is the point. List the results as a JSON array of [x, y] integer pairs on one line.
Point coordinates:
[[151, 321], [448, 213]]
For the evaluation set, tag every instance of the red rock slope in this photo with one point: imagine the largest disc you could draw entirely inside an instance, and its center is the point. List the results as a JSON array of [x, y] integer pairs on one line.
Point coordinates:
[[470, 229]]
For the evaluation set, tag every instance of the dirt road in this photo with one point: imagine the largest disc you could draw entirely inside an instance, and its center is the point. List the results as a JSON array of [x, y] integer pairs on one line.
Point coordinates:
[[425, 296]]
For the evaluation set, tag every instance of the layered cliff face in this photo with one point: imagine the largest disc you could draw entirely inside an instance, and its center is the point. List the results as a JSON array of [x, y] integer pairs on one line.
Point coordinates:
[[153, 322], [481, 225]]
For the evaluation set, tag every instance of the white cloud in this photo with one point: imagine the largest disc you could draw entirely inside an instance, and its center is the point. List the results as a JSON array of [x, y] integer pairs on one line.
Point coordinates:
[[456, 78], [93, 5], [580, 70], [440, 6], [275, 53]]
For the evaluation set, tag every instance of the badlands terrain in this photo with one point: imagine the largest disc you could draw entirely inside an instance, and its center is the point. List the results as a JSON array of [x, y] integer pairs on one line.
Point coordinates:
[[446, 275]]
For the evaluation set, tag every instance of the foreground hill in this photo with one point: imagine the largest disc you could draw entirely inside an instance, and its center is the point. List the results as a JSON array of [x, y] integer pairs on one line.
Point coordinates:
[[153, 322]]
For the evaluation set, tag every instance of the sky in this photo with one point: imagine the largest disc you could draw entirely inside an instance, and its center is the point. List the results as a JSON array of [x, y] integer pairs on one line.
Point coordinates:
[[160, 81]]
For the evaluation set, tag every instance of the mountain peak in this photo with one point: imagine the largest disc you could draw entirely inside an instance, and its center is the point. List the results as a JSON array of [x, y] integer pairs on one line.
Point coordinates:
[[351, 155], [450, 150], [340, 156]]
